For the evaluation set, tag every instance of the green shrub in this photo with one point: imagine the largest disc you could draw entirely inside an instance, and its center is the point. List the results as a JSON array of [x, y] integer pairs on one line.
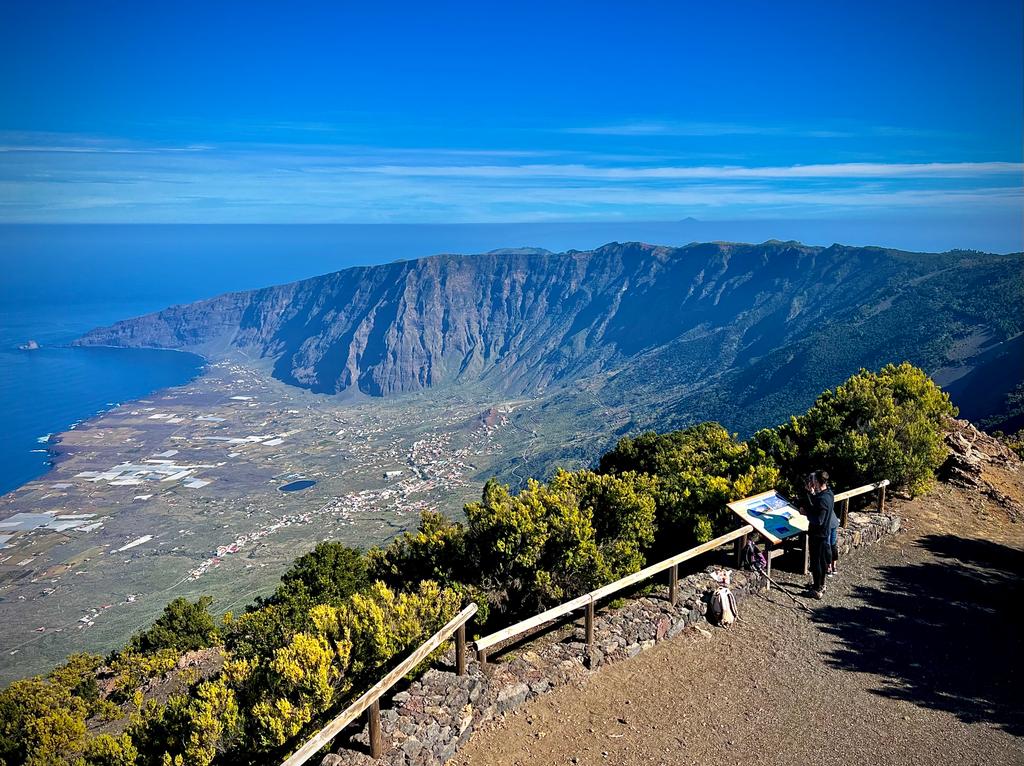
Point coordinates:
[[42, 719], [183, 626], [698, 470], [435, 551], [328, 574], [110, 750], [41, 723], [190, 729], [544, 545], [345, 647], [262, 629], [884, 425], [522, 551], [297, 684], [623, 510], [380, 624]]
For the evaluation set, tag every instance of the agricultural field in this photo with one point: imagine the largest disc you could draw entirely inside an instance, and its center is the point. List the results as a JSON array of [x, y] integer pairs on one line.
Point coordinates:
[[181, 495]]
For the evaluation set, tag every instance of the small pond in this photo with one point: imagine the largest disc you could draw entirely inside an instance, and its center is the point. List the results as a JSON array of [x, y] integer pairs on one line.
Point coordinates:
[[296, 486]]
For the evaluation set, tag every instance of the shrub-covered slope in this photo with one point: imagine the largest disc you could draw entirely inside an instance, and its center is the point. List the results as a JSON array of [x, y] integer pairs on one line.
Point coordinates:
[[341, 617]]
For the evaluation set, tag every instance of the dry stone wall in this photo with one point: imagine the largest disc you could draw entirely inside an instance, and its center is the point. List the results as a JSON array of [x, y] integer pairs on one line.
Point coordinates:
[[425, 724]]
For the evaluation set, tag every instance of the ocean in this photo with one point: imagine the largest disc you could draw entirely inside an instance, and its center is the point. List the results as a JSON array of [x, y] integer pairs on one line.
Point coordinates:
[[48, 390], [58, 281]]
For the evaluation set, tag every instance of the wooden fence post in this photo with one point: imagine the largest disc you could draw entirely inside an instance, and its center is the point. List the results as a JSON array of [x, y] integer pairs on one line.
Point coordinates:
[[846, 512], [376, 740], [807, 553], [460, 650], [740, 544], [369, 701], [881, 499], [590, 631], [673, 585], [589, 600]]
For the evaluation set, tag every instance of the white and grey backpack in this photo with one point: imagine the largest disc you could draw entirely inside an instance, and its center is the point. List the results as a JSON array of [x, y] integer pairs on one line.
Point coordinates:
[[723, 607]]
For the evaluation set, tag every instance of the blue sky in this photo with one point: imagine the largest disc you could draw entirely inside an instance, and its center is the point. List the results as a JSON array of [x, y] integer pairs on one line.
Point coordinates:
[[486, 112]]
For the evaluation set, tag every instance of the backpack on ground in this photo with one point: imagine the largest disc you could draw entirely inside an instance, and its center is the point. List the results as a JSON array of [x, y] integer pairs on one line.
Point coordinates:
[[753, 557], [723, 609]]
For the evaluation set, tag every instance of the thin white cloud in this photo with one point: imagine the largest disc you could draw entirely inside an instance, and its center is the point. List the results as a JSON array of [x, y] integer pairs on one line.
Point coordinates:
[[96, 150], [697, 129], [690, 129], [12, 142], [100, 180], [837, 170]]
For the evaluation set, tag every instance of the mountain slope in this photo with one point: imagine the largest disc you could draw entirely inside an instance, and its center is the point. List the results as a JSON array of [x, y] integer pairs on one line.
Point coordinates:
[[715, 322]]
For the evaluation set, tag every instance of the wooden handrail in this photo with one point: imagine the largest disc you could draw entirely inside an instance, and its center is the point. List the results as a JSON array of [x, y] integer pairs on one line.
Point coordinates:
[[843, 498], [369, 701], [861, 490], [679, 558], [370, 697], [586, 600], [532, 622]]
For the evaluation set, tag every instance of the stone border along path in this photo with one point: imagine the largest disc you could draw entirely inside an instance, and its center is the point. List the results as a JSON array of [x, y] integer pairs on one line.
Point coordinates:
[[427, 723]]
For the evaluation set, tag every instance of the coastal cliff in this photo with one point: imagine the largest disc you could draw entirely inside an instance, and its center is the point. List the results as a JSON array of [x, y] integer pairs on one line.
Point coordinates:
[[524, 321]]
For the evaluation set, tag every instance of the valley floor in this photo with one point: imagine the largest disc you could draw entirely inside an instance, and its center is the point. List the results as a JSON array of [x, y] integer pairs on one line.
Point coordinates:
[[180, 494], [914, 657]]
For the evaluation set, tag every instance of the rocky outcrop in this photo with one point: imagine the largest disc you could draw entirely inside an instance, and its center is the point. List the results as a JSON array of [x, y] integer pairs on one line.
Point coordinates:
[[975, 461], [425, 724], [970, 450]]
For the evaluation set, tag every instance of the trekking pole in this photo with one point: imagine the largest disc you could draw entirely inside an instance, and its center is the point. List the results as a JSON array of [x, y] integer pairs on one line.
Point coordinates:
[[761, 570]]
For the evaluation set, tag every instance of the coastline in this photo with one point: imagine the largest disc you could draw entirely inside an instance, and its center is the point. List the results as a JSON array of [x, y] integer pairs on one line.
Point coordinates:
[[55, 439], [57, 389], [178, 494], [56, 456]]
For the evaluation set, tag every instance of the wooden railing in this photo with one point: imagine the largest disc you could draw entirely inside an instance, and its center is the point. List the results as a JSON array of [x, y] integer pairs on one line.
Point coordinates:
[[485, 645], [370, 701], [588, 600], [844, 498]]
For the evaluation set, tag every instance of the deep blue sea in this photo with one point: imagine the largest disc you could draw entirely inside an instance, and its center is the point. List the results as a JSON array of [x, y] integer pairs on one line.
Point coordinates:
[[47, 390], [56, 282]]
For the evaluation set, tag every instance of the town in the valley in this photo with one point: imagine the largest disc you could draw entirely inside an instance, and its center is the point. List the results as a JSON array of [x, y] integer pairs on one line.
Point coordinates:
[[214, 488]]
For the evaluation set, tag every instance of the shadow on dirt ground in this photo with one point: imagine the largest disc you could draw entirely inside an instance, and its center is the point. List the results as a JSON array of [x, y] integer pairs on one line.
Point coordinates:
[[945, 633]]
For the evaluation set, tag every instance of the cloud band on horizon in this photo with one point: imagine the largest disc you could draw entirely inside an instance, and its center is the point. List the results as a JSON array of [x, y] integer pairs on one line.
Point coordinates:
[[54, 178]]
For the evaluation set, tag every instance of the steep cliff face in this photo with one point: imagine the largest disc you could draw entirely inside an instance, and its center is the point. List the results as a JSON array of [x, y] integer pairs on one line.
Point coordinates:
[[524, 321]]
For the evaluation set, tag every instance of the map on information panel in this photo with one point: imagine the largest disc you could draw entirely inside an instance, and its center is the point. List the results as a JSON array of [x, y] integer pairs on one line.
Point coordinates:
[[770, 514]]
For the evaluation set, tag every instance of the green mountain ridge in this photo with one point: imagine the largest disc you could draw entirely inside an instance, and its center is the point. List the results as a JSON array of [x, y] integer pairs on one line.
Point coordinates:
[[733, 332]]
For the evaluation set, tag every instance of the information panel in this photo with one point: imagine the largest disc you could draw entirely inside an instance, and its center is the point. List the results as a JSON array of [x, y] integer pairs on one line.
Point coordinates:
[[770, 514]]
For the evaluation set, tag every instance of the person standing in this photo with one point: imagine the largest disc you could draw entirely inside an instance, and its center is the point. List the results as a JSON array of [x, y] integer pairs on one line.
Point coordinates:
[[821, 520], [833, 542]]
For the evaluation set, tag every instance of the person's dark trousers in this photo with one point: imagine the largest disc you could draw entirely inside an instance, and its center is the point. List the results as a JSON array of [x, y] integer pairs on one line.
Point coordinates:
[[821, 557]]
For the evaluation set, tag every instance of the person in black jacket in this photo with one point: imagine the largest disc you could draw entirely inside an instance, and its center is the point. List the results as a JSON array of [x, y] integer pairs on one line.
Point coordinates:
[[821, 519]]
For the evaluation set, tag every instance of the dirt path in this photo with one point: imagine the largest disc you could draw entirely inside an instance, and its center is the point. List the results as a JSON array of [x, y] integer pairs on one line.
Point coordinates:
[[914, 657]]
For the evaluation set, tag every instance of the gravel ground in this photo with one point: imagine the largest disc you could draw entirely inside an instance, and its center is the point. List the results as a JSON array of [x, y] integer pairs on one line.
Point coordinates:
[[914, 657]]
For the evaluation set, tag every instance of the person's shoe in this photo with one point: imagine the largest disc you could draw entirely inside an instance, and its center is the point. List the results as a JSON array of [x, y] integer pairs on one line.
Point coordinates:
[[831, 574], [819, 594]]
